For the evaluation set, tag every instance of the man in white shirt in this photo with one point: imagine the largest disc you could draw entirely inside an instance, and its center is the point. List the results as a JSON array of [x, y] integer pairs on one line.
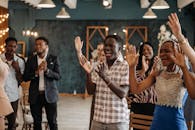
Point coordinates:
[[16, 68]]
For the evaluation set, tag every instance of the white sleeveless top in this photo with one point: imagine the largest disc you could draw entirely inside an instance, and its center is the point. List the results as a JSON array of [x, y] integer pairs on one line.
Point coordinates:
[[170, 89]]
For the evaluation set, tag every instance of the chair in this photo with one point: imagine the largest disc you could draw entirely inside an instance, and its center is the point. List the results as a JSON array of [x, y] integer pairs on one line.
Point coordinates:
[[27, 117], [140, 121]]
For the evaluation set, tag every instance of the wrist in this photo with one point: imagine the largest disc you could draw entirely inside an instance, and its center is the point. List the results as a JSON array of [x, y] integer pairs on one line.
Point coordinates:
[[47, 71], [181, 39]]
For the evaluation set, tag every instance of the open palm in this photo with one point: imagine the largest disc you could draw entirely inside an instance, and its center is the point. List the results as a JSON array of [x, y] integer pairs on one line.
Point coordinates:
[[131, 56], [174, 24], [178, 57], [78, 44]]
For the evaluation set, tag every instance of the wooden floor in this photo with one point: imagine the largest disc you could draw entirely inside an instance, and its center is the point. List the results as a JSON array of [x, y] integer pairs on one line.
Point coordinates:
[[73, 113]]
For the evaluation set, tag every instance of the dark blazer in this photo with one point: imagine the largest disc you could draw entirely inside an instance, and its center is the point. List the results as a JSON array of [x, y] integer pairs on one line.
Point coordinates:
[[50, 77]]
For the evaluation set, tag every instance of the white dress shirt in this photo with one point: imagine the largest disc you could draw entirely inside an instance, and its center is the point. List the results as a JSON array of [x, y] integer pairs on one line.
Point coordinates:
[[41, 75], [11, 84]]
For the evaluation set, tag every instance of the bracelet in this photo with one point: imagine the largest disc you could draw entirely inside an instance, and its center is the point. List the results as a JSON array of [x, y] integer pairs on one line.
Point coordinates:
[[182, 41]]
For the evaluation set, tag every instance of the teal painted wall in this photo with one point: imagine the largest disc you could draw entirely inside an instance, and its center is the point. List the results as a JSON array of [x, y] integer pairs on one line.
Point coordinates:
[[61, 33]]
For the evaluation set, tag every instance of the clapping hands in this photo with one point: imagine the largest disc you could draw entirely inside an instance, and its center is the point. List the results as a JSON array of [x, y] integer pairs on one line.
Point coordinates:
[[101, 71]]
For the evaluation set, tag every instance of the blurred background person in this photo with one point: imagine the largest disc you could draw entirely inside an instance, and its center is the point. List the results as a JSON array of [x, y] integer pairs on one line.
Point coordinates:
[[144, 102], [16, 69], [6, 107]]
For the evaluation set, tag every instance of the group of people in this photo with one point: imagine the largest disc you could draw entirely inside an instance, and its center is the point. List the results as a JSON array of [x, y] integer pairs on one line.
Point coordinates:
[[156, 85], [42, 70]]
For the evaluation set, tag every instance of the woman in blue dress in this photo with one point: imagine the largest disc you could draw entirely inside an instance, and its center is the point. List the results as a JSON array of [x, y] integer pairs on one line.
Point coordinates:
[[170, 82]]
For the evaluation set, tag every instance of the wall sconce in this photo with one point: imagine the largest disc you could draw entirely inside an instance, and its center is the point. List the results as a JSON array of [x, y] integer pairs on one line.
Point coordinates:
[[149, 14], [107, 4], [29, 33], [63, 14], [46, 4]]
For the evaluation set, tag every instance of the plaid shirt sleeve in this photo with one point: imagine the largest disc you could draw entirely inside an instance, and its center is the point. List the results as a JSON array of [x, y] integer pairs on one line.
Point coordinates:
[[124, 74]]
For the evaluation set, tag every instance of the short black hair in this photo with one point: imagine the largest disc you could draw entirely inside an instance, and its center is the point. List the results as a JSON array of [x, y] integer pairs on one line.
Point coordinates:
[[117, 38], [7, 40], [44, 39]]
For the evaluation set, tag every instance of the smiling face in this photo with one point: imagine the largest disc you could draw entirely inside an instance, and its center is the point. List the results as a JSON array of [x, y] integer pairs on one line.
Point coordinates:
[[111, 49], [148, 52], [166, 50], [40, 46]]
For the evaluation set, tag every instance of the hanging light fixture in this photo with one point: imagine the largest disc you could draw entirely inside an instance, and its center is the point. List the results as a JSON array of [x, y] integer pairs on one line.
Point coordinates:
[[63, 14], [107, 4], [149, 14], [46, 4], [160, 4]]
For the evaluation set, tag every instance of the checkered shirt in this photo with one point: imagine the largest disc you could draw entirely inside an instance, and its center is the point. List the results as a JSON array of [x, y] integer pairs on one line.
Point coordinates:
[[109, 108]]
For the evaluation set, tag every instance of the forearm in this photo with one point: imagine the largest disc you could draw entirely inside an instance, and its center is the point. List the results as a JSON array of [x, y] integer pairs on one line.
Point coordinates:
[[187, 49], [189, 81], [132, 80], [85, 64], [120, 91], [136, 87], [19, 77], [91, 87]]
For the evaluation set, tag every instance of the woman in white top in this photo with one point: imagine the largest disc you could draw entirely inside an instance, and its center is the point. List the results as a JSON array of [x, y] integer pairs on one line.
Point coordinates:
[[4, 101], [175, 26]]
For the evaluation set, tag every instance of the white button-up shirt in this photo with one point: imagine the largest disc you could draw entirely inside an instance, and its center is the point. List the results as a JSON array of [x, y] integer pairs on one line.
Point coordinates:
[[11, 84], [41, 75]]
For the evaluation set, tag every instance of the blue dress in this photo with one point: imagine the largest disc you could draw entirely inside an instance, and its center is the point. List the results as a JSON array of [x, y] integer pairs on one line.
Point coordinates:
[[168, 118], [168, 113]]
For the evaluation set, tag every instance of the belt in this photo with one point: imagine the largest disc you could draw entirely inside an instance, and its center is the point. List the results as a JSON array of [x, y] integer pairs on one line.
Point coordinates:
[[41, 92]]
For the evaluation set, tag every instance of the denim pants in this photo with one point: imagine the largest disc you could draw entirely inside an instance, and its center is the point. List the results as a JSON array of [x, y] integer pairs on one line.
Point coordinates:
[[113, 126]]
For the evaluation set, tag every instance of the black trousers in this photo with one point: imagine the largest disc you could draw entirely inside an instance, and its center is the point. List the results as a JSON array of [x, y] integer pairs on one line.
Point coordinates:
[[51, 112], [11, 118]]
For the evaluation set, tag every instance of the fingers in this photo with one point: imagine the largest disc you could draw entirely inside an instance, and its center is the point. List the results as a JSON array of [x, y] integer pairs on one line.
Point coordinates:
[[130, 49], [77, 38], [173, 18]]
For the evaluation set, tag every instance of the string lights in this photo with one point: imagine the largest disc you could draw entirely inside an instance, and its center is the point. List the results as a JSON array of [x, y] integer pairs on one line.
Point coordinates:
[[3, 30]]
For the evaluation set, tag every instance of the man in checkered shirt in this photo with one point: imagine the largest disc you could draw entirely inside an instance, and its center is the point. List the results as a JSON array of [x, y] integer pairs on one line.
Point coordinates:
[[112, 84]]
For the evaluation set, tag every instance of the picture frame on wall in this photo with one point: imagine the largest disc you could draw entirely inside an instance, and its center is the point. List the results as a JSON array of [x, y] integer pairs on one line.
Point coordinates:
[[21, 48]]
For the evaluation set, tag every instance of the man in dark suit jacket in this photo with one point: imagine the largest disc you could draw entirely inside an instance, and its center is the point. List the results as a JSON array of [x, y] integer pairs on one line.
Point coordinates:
[[43, 71]]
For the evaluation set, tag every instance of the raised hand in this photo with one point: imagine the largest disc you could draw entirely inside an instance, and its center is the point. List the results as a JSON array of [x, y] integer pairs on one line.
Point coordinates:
[[178, 57], [78, 44], [175, 26], [131, 56]]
